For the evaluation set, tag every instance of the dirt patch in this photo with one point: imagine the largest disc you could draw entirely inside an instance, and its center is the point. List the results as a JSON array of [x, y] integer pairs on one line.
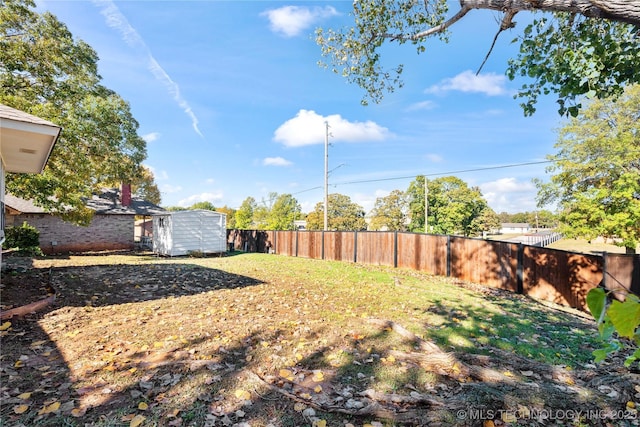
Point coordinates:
[[178, 342]]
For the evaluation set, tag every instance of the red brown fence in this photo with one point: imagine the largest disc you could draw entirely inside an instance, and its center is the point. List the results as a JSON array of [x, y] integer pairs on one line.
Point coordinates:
[[548, 274]]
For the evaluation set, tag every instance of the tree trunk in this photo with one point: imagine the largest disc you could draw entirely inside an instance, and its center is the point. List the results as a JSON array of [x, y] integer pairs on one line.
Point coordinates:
[[627, 11]]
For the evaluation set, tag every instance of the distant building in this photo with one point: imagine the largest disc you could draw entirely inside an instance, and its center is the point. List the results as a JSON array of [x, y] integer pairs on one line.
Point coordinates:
[[514, 228], [112, 227], [300, 224]]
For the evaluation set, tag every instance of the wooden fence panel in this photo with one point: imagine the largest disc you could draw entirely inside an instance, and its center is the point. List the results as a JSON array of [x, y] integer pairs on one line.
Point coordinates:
[[250, 240], [423, 252], [310, 244], [376, 248], [285, 243], [622, 273], [561, 277], [490, 263], [339, 245]]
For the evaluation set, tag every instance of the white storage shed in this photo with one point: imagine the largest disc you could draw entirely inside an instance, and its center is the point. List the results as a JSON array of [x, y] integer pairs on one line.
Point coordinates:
[[182, 232]]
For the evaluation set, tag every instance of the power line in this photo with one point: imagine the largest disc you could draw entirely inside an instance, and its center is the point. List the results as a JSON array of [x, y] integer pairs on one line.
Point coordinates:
[[397, 178], [443, 173]]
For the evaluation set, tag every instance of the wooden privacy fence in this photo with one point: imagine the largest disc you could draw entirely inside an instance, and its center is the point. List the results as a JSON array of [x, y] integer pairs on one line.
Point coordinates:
[[553, 275]]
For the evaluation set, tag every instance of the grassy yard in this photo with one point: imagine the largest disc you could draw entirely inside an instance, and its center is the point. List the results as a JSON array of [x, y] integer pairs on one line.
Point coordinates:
[[258, 340]]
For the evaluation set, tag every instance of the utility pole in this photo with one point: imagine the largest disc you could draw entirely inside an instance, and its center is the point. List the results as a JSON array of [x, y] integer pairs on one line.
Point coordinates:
[[326, 176]]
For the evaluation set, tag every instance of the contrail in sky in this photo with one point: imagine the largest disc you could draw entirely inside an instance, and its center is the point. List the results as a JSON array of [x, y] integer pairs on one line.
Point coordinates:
[[116, 20]]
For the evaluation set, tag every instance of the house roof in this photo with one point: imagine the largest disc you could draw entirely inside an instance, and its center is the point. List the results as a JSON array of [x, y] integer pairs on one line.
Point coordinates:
[[515, 225], [27, 140], [106, 203]]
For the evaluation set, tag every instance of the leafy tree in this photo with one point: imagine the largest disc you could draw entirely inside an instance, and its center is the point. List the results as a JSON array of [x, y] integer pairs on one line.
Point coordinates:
[[453, 207], [586, 47], [244, 214], [231, 215], [415, 200], [342, 215], [488, 221], [203, 205], [390, 212], [145, 187], [596, 172], [45, 72], [283, 212], [175, 208]]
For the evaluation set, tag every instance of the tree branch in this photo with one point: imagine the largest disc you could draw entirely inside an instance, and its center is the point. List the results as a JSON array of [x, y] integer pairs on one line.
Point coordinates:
[[507, 22]]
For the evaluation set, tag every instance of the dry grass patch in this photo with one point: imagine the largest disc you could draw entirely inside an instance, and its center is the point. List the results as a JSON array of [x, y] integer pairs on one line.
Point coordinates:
[[258, 340]]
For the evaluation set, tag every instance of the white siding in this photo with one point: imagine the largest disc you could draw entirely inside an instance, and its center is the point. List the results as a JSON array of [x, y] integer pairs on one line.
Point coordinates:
[[178, 233]]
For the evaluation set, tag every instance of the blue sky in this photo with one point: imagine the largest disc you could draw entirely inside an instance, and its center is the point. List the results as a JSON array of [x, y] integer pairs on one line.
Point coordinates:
[[232, 103]]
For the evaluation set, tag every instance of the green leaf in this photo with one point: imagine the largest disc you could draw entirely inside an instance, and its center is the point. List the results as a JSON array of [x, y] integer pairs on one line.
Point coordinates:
[[625, 316], [635, 356], [600, 354], [596, 301]]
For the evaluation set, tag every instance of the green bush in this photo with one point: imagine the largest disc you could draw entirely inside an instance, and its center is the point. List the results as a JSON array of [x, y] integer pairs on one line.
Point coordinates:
[[26, 237]]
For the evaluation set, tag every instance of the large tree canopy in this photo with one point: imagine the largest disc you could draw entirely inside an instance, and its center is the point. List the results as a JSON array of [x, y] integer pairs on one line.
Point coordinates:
[[46, 72], [580, 47], [342, 213], [455, 208], [596, 172]]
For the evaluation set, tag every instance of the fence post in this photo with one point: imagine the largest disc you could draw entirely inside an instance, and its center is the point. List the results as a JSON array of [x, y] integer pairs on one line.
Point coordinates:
[[355, 246], [605, 255], [322, 245], [448, 255], [395, 249], [275, 242], [520, 269], [297, 243]]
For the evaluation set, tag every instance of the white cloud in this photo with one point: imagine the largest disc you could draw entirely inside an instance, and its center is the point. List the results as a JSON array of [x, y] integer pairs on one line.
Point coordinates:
[[308, 128], [435, 158], [202, 197], [116, 20], [510, 195], [490, 84], [168, 188], [150, 137], [423, 105], [276, 161], [293, 20]]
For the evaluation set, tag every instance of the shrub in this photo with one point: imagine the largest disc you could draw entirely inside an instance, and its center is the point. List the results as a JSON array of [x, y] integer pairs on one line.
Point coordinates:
[[26, 238]]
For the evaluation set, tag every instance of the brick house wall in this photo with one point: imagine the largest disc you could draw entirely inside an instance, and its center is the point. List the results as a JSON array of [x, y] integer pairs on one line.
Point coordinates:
[[106, 232]]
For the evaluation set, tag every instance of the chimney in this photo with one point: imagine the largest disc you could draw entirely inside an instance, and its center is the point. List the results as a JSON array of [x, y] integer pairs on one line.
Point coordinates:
[[125, 195]]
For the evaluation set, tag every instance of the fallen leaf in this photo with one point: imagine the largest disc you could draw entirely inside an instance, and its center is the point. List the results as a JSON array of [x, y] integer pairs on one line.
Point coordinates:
[[318, 389], [318, 376], [143, 406], [137, 420], [24, 396], [5, 326], [299, 407], [286, 373], [78, 412], [243, 394], [320, 423], [20, 409], [47, 409]]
